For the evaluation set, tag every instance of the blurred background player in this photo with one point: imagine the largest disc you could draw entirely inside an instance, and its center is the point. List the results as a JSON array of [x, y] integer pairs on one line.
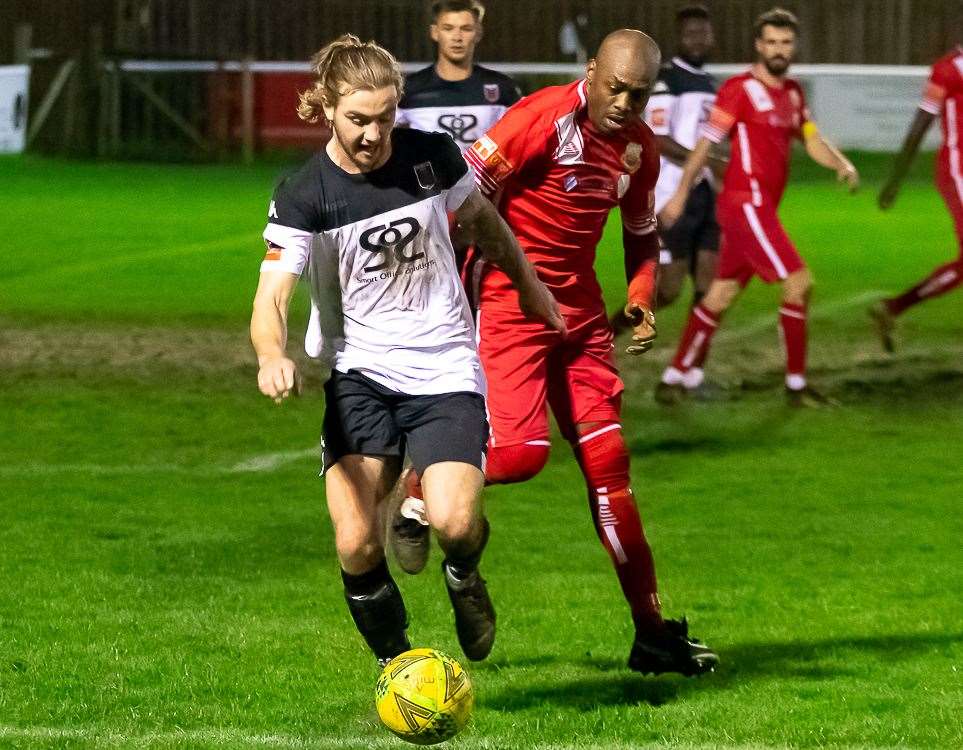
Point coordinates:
[[943, 98], [556, 164], [455, 95], [761, 112], [680, 103], [406, 378]]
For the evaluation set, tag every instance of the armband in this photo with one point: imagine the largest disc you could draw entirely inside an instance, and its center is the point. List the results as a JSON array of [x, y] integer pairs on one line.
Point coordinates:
[[809, 130]]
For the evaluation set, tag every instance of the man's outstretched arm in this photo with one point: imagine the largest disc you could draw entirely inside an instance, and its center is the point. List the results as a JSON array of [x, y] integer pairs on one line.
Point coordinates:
[[827, 155], [911, 144], [499, 246], [277, 375]]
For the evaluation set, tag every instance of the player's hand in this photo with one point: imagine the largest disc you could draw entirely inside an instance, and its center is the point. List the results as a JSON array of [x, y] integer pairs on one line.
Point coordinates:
[[279, 378], [643, 328], [848, 174], [537, 301], [887, 196], [672, 210]]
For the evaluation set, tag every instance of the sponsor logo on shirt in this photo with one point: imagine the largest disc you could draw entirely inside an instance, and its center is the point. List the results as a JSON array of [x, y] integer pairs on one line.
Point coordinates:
[[458, 125], [390, 240], [492, 92]]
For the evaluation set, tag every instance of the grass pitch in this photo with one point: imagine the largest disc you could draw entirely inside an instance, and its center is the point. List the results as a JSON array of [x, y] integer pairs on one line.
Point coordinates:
[[168, 571]]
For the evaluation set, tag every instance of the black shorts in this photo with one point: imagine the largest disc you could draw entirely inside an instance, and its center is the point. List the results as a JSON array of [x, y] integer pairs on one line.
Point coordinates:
[[362, 417], [697, 228]]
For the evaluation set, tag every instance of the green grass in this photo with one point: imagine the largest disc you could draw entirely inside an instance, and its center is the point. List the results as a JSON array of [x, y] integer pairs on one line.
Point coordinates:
[[158, 591]]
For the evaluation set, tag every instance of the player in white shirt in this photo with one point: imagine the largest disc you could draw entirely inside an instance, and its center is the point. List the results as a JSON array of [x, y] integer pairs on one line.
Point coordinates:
[[680, 103], [365, 221]]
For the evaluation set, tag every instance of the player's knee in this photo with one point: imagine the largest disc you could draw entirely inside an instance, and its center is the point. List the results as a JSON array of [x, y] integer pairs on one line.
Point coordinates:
[[453, 525], [798, 286], [604, 458], [358, 551], [515, 463]]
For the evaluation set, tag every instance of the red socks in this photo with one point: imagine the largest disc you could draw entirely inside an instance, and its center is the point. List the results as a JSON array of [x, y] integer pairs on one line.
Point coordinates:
[[943, 279], [694, 344], [792, 322], [605, 463]]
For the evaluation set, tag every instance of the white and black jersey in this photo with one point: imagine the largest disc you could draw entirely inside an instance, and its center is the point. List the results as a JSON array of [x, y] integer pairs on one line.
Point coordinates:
[[680, 103], [464, 109], [376, 252]]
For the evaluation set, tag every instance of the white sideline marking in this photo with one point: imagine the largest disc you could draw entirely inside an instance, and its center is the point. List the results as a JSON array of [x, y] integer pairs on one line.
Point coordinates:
[[266, 462], [272, 461], [171, 251], [770, 321]]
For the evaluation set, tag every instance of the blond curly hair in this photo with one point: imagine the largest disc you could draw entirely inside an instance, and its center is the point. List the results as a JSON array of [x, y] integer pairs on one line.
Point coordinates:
[[347, 64]]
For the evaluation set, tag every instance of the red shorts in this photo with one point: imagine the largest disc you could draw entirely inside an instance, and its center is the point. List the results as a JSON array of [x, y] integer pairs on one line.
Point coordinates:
[[951, 188], [754, 244], [530, 367]]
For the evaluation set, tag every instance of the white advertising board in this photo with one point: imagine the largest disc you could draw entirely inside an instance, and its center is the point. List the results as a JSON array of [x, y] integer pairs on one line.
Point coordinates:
[[14, 80]]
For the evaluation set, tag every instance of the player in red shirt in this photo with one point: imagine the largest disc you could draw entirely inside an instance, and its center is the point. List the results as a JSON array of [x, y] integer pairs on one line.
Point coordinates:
[[761, 112], [943, 97], [556, 164]]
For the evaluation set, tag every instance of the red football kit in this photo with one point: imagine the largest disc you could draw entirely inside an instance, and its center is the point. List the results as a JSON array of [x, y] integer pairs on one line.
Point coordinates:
[[761, 122], [943, 97], [559, 178]]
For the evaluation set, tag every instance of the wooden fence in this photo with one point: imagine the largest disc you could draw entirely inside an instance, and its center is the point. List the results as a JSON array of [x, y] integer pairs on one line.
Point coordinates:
[[835, 31]]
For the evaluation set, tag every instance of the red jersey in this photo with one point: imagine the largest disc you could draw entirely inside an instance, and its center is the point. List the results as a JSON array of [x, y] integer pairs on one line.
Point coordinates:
[[765, 120], [560, 177], [943, 97]]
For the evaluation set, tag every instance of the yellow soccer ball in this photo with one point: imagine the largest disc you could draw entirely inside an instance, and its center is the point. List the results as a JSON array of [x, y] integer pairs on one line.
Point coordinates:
[[424, 696]]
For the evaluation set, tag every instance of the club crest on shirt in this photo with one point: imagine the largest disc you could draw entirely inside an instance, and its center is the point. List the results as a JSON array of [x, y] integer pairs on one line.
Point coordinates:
[[632, 158], [425, 174], [492, 92]]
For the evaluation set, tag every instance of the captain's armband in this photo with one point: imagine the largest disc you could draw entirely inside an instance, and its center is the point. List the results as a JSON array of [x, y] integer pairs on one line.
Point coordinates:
[[809, 130]]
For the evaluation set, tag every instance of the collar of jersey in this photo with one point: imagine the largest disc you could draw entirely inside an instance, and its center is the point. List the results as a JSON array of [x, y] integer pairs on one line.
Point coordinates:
[[357, 176], [678, 61]]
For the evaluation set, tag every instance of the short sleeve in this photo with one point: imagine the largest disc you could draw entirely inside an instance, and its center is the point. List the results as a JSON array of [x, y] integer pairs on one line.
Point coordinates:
[[638, 204], [724, 112], [513, 142], [457, 178], [289, 232], [514, 93], [660, 109], [934, 92]]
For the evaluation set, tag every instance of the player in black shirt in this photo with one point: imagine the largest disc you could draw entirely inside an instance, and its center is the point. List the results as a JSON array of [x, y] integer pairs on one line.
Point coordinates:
[[366, 222], [454, 95]]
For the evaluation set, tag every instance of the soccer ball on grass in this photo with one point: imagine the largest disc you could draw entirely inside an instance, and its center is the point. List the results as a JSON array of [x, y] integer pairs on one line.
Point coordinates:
[[424, 696]]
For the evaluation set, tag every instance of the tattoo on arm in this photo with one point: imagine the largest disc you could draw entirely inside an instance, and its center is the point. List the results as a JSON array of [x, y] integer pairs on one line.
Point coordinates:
[[495, 240]]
